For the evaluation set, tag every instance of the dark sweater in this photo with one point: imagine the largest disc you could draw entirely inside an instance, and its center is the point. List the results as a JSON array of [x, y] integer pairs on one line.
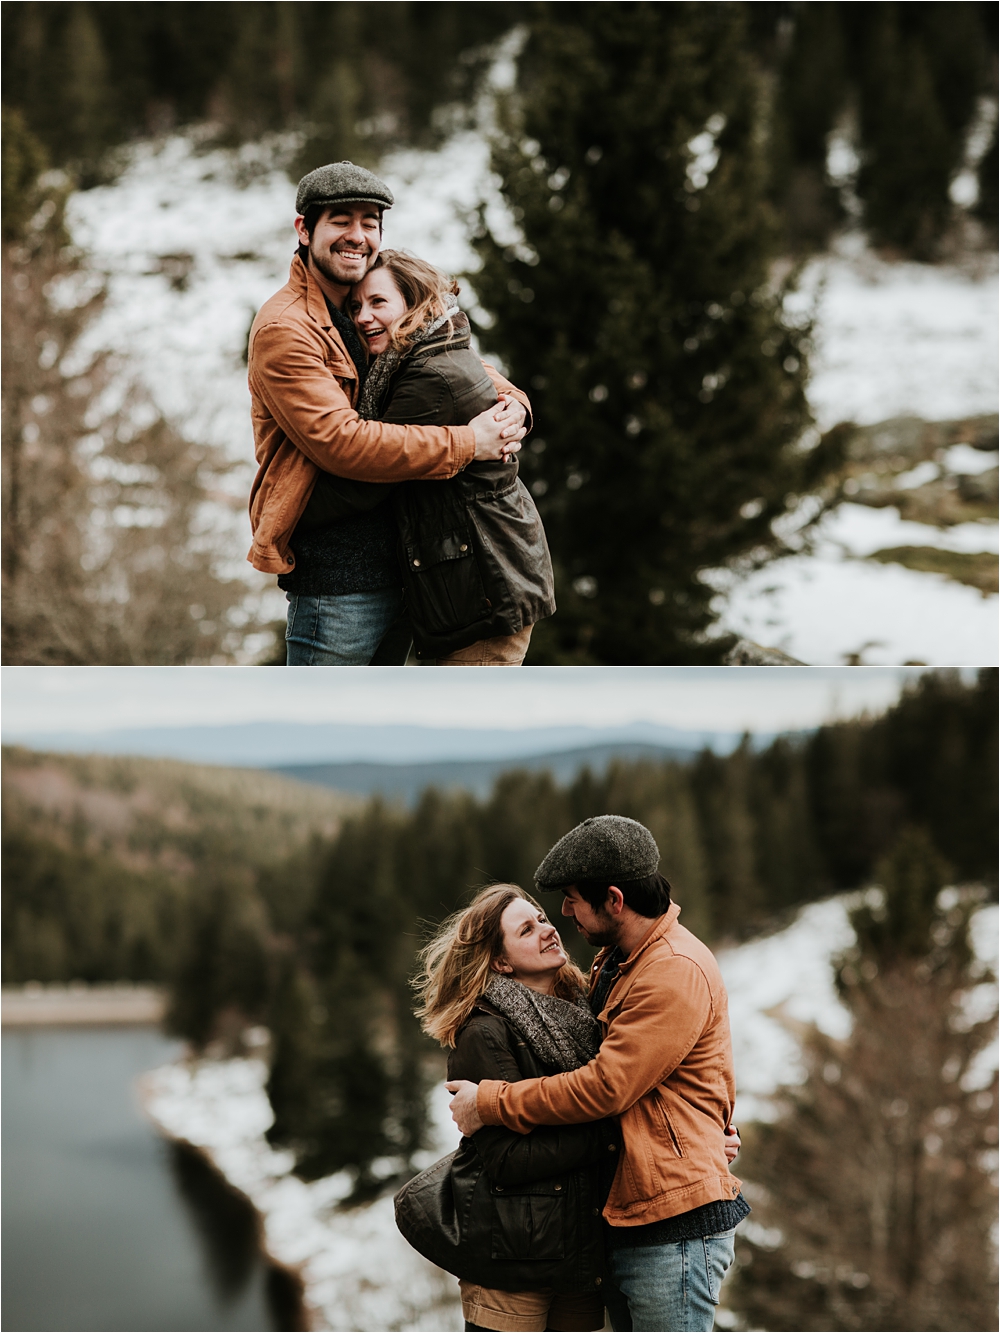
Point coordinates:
[[357, 554]]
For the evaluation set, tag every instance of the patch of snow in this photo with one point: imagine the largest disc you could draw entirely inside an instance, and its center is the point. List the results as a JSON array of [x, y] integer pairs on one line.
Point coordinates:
[[823, 611], [962, 459], [783, 976], [984, 934], [896, 339], [830, 603], [859, 530]]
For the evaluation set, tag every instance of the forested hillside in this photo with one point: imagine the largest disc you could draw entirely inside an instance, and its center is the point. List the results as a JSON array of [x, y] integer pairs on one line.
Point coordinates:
[[259, 900], [112, 863]]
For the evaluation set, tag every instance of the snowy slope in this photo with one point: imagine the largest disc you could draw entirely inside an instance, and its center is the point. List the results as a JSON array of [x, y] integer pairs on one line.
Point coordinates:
[[358, 1271], [191, 242]]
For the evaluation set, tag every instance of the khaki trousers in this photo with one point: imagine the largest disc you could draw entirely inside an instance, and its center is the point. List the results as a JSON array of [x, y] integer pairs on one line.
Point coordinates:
[[529, 1311], [506, 650]]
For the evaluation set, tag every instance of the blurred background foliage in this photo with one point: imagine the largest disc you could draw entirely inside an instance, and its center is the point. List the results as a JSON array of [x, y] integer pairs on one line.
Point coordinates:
[[260, 901], [105, 551], [873, 1189], [667, 165], [354, 77], [639, 311], [88, 76]]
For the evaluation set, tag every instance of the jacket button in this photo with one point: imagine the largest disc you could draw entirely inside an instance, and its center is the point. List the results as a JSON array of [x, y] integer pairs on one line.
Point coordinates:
[[596, 1212], [597, 1281], [611, 1147], [463, 547], [499, 1189], [416, 564], [558, 1188]]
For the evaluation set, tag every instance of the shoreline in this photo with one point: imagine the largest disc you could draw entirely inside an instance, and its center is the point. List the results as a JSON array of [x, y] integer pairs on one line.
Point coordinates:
[[306, 1323], [80, 1005], [358, 1274]]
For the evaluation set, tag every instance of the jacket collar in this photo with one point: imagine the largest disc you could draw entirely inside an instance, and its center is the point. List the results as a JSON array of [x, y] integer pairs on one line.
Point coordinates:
[[661, 925], [304, 284]]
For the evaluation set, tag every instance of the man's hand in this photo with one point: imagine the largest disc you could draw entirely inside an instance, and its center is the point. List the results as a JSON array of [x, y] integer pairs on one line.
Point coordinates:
[[733, 1143], [463, 1106], [499, 430]]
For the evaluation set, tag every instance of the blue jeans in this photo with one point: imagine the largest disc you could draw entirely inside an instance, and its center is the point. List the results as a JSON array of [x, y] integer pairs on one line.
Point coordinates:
[[673, 1287], [349, 629]]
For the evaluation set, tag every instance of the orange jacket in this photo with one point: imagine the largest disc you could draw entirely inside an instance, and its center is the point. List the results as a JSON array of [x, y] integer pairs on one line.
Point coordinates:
[[665, 1068], [303, 390]]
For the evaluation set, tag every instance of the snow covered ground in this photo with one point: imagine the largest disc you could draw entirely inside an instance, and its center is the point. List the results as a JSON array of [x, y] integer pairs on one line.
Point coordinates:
[[824, 606], [358, 1271], [192, 240]]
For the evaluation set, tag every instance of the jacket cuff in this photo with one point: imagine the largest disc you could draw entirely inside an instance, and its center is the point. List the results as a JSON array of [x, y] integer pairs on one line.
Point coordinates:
[[488, 1101], [466, 450]]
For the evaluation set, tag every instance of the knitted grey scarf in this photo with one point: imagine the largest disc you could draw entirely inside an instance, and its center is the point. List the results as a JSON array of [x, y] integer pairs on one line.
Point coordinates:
[[562, 1033], [375, 389]]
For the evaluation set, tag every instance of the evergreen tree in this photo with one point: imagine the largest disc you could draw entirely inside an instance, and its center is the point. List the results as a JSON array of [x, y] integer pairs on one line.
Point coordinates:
[[872, 1191], [989, 173], [811, 90], [919, 69], [668, 389], [221, 981], [349, 1085]]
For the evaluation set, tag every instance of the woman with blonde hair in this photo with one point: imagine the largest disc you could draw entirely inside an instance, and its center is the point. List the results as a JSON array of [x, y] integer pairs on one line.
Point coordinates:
[[516, 1217], [471, 551]]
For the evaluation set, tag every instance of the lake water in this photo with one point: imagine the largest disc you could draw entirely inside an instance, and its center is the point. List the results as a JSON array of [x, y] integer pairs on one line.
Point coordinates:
[[105, 1225]]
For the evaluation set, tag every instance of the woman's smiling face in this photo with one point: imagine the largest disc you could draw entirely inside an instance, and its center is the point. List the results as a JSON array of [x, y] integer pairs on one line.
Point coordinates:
[[532, 949], [376, 304]]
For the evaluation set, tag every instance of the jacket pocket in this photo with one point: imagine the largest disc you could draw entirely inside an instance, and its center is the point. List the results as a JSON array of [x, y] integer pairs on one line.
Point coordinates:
[[511, 535], [529, 1223], [672, 1137], [444, 583]]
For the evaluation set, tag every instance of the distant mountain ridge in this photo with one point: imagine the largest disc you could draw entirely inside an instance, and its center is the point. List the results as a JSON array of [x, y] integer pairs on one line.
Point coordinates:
[[284, 744], [405, 782]]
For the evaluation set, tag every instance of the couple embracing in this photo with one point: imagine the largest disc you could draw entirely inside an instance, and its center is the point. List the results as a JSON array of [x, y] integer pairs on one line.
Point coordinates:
[[593, 1171], [387, 498]]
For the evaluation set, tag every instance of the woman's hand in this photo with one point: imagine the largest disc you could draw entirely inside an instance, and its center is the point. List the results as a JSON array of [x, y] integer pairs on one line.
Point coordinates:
[[499, 430], [463, 1106]]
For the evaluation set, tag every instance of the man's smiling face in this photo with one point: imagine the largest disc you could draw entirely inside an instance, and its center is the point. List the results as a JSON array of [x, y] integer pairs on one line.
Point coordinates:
[[344, 241]]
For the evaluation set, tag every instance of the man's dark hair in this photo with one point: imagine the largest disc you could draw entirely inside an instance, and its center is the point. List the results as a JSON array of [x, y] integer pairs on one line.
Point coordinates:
[[649, 896]]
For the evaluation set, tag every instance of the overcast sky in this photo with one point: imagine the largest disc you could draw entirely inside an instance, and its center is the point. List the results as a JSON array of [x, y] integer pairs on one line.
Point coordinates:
[[49, 699]]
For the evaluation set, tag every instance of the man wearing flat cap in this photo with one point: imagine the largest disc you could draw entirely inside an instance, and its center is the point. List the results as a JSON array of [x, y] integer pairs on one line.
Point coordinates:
[[306, 367], [665, 1069]]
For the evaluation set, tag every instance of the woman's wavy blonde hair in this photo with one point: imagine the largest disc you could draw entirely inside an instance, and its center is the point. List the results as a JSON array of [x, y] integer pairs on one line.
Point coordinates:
[[424, 289], [456, 966]]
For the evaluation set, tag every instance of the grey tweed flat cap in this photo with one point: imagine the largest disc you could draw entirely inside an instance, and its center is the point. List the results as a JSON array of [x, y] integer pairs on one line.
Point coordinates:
[[341, 183], [607, 846]]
